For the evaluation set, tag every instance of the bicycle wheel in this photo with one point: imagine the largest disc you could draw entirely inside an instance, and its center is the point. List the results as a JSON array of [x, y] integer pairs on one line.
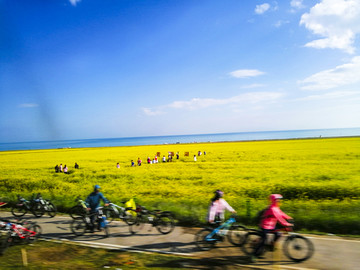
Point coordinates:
[[5, 241], [78, 226], [110, 214], [138, 224], [251, 242], [165, 223], [130, 217], [38, 210], [236, 235], [34, 232], [51, 209], [18, 210], [107, 232], [77, 211], [298, 248], [201, 242]]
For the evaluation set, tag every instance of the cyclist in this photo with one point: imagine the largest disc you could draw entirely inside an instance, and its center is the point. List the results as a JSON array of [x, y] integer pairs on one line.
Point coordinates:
[[217, 208], [93, 203], [271, 216]]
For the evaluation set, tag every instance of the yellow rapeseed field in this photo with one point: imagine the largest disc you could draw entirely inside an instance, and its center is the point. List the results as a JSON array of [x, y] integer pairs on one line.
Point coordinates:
[[319, 178]]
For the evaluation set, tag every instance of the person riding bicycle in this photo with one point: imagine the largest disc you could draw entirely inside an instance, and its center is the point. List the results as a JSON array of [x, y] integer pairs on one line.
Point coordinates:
[[271, 216], [93, 203], [217, 208]]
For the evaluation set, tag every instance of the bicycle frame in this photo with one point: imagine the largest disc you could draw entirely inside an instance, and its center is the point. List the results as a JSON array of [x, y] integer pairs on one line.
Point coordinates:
[[221, 230], [17, 230]]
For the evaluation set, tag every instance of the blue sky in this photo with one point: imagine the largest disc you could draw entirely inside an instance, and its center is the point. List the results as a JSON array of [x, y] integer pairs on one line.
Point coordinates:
[[78, 69]]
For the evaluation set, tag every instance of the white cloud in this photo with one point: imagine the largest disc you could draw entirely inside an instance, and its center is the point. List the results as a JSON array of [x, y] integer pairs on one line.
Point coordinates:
[[74, 2], [332, 95], [341, 75], [297, 4], [201, 103], [245, 73], [28, 105], [261, 9], [151, 112], [280, 23], [337, 21]]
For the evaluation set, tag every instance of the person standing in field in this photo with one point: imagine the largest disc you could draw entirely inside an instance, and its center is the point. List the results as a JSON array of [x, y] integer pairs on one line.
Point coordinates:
[[118, 165], [57, 168], [139, 162], [65, 169], [132, 163], [217, 208], [60, 168], [194, 157], [76, 166]]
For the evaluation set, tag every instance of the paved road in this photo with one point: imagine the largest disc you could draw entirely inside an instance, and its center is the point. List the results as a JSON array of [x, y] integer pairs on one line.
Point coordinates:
[[332, 253]]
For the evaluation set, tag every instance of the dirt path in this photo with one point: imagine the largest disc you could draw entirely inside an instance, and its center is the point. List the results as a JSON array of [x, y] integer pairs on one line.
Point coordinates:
[[331, 252]]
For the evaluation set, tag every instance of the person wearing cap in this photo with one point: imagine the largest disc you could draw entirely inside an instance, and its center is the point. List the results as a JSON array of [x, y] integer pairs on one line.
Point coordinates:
[[93, 201], [271, 216], [217, 208]]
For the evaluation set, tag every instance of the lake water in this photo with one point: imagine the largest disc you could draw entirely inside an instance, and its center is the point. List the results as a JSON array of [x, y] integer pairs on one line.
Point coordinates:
[[155, 140]]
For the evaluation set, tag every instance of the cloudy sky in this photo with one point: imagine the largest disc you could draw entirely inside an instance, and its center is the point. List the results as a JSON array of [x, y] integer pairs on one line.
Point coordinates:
[[78, 69]]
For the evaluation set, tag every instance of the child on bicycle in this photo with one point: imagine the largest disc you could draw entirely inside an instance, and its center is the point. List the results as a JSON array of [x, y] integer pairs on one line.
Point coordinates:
[[217, 208], [271, 216]]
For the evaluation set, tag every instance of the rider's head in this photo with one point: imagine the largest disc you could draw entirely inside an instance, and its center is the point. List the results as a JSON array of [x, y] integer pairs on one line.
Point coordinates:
[[97, 188], [219, 194], [275, 199]]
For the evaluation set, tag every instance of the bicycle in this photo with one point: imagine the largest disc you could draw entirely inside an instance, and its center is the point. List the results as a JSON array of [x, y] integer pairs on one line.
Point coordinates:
[[127, 214], [163, 221], [23, 206], [12, 232], [79, 210], [208, 237], [296, 247], [48, 206], [80, 225]]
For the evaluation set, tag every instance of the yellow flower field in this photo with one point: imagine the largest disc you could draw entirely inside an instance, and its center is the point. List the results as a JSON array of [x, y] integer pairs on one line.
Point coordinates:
[[319, 178]]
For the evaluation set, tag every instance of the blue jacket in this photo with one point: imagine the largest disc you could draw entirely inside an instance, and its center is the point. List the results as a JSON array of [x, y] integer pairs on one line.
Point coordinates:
[[93, 200]]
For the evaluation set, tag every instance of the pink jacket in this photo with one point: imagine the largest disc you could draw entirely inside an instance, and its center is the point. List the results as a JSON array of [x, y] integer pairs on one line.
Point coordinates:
[[273, 215], [218, 208]]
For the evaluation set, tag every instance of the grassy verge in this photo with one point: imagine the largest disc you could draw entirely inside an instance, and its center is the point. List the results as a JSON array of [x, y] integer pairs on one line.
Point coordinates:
[[50, 255]]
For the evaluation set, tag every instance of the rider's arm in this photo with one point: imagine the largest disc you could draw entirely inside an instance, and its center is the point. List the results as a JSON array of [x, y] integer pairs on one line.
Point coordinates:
[[106, 201], [281, 216], [227, 206]]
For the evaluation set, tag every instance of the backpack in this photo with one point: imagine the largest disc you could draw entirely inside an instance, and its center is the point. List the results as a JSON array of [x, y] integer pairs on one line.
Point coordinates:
[[260, 215]]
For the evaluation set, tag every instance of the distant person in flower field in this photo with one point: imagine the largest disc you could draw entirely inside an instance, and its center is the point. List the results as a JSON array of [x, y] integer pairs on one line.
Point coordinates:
[[76, 166], [194, 157], [217, 208], [61, 168], [139, 162], [65, 169], [132, 163], [118, 165]]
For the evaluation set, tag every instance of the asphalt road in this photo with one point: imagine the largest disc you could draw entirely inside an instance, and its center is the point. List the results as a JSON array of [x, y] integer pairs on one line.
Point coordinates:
[[331, 252]]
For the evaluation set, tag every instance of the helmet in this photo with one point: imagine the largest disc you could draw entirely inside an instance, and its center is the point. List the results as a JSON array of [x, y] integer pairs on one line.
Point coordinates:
[[219, 193], [96, 187], [274, 197]]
